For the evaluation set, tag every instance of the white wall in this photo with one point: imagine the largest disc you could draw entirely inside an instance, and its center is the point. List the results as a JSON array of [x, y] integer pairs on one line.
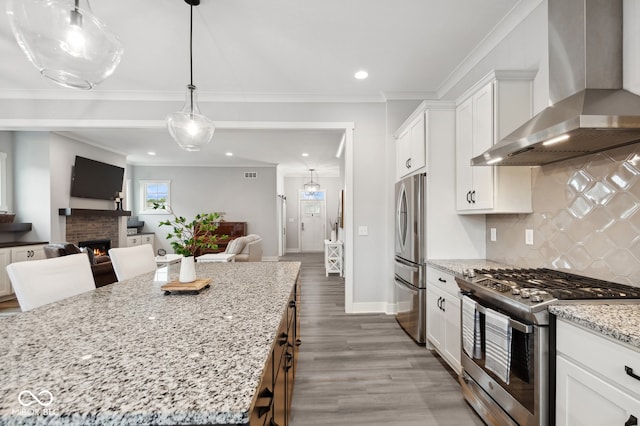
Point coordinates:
[[215, 189]]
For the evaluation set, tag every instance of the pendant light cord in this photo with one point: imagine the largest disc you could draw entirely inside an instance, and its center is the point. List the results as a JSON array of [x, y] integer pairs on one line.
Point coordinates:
[[191, 44]]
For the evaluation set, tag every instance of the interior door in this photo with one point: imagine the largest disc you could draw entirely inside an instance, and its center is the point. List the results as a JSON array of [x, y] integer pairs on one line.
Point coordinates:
[[312, 223]]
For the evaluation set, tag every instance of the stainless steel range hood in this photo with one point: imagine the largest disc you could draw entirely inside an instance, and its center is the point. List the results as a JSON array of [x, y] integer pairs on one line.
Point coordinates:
[[591, 112]]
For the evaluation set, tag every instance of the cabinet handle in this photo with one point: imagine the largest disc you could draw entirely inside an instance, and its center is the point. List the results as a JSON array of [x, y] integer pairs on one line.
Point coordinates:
[[298, 342], [473, 196], [292, 304], [468, 196], [632, 421], [439, 303], [442, 280], [442, 307], [282, 339], [629, 371], [264, 407]]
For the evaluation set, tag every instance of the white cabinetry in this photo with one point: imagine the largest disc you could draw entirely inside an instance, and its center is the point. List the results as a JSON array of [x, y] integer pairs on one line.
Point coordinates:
[[411, 142], [5, 284], [592, 382], [137, 240], [13, 255], [24, 253], [486, 113], [443, 316]]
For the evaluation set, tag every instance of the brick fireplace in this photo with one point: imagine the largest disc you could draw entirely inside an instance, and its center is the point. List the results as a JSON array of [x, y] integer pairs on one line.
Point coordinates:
[[86, 228]]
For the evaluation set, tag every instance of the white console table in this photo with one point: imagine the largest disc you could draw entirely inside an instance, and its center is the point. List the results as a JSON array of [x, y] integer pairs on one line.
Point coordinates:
[[333, 262]]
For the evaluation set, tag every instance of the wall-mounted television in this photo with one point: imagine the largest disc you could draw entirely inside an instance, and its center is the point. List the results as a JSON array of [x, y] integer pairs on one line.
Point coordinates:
[[93, 179]]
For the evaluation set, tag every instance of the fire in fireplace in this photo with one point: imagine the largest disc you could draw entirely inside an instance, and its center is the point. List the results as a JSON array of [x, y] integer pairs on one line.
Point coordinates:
[[99, 247]]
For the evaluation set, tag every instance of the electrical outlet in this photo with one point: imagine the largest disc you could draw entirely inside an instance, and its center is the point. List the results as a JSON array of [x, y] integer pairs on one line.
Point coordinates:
[[494, 237], [363, 230], [528, 237]]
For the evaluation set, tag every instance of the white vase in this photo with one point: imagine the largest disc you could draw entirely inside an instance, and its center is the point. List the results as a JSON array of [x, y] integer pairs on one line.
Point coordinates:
[[187, 270]]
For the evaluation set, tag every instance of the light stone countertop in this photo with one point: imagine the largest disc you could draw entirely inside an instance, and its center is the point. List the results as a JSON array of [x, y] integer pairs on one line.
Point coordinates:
[[619, 321], [128, 354], [456, 266]]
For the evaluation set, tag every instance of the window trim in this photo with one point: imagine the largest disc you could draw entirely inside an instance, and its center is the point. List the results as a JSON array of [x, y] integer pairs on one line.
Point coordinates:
[[143, 196]]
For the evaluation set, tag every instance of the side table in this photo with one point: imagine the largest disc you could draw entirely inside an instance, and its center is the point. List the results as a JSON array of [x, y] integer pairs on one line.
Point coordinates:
[[333, 257]]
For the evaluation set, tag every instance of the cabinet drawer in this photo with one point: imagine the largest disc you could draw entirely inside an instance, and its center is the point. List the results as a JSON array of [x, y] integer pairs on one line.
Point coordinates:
[[442, 280], [599, 354]]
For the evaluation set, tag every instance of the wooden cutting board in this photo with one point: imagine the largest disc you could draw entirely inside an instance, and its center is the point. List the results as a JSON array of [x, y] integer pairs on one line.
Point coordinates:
[[193, 287]]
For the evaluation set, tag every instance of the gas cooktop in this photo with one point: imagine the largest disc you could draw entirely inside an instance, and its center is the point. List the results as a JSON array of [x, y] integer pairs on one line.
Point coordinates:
[[560, 285], [526, 293]]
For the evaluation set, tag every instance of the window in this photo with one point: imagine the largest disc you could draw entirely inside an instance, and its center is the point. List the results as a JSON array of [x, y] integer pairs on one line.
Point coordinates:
[[154, 191]]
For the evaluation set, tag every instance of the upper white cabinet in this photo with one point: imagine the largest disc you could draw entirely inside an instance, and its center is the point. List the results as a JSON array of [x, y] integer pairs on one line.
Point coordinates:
[[411, 145], [412, 139], [489, 111]]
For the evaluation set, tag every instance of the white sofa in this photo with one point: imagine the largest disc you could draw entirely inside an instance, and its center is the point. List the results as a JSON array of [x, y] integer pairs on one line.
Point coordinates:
[[246, 249]]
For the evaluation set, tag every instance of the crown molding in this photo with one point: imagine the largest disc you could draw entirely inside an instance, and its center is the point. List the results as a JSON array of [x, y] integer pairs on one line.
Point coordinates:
[[514, 18]]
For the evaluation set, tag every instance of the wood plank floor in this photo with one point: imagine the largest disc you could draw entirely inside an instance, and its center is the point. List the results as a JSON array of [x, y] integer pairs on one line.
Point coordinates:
[[363, 369]]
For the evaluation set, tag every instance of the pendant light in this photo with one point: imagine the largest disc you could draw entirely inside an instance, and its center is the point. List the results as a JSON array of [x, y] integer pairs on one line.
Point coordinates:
[[188, 127], [311, 186], [65, 41]]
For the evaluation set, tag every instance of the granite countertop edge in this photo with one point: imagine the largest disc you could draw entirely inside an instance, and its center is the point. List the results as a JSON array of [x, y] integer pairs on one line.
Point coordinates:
[[457, 266], [619, 321]]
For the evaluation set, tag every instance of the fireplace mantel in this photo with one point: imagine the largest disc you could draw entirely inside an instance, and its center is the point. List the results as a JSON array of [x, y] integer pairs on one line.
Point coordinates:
[[93, 212]]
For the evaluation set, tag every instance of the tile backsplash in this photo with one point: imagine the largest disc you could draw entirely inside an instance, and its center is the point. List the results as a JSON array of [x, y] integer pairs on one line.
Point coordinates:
[[586, 218]]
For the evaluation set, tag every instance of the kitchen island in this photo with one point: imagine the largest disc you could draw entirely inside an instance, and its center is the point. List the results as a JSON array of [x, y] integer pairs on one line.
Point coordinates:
[[129, 354]]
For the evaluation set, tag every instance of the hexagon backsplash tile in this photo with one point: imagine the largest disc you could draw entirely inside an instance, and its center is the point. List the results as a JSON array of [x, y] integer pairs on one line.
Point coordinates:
[[590, 224]]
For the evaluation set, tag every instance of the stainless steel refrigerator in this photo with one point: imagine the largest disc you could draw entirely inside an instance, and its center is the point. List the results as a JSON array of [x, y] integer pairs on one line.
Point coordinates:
[[410, 256]]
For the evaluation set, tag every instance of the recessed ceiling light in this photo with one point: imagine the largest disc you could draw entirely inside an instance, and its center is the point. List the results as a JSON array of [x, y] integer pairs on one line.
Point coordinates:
[[151, 153], [305, 154], [361, 75], [229, 154]]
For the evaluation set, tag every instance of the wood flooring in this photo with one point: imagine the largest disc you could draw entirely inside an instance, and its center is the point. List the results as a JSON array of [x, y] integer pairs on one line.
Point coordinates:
[[363, 369]]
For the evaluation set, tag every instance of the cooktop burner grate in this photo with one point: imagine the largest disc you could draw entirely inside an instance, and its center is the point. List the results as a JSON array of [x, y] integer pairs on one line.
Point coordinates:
[[562, 285]]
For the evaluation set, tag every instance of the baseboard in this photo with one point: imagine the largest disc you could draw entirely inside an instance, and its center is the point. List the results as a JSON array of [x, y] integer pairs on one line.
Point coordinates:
[[370, 308], [297, 250], [270, 258]]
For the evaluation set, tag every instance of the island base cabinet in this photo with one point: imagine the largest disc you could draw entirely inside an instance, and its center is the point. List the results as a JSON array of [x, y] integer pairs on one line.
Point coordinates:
[[274, 395]]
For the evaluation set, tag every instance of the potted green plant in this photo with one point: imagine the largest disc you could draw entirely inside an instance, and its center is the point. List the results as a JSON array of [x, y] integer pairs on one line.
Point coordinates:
[[191, 238]]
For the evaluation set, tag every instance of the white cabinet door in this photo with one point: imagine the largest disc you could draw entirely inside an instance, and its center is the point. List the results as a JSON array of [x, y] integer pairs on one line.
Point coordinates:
[[464, 147], [403, 154], [453, 330], [482, 130], [435, 319], [147, 239], [582, 398], [25, 253], [418, 157], [411, 149], [133, 240], [5, 283]]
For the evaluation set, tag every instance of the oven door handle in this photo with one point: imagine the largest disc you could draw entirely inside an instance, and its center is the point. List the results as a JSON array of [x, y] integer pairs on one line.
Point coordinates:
[[515, 324]]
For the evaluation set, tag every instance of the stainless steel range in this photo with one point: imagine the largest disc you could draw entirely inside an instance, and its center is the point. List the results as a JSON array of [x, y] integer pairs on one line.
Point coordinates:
[[523, 297]]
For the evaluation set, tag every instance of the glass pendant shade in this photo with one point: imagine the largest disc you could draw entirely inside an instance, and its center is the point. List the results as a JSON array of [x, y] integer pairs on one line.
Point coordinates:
[[65, 41], [190, 129], [311, 186]]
